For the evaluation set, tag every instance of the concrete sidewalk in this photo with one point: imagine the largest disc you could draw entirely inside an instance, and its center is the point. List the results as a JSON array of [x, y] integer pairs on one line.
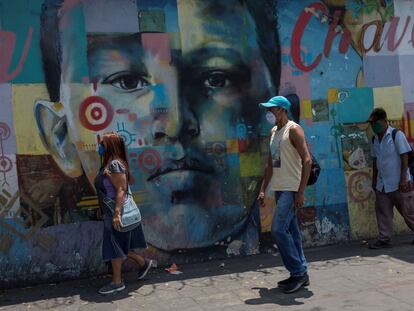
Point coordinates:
[[343, 277]]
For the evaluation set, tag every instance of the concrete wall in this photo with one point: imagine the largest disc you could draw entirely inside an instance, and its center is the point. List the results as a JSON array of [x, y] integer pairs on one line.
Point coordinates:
[[180, 80]]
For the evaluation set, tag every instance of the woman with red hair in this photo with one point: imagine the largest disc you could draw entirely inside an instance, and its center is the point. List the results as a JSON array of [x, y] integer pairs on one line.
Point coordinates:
[[112, 182]]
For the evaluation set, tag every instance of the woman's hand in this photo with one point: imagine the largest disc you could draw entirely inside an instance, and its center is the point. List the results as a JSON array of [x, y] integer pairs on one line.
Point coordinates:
[[107, 172], [116, 221], [99, 215]]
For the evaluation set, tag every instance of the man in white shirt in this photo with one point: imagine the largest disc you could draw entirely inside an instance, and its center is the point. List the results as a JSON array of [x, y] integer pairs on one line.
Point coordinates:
[[391, 178]]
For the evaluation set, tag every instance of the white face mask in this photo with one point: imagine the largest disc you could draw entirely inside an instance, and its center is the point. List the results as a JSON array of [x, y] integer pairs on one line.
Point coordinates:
[[270, 117]]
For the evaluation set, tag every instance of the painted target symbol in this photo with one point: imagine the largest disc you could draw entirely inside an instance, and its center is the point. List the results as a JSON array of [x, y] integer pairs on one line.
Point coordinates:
[[4, 131], [95, 113], [5, 164], [149, 160], [359, 187]]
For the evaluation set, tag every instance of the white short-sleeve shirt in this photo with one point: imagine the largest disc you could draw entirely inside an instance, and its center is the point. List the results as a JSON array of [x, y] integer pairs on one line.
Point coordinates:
[[387, 152]]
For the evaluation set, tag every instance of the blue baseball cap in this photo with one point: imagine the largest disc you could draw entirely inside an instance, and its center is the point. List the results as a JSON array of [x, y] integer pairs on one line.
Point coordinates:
[[277, 101]]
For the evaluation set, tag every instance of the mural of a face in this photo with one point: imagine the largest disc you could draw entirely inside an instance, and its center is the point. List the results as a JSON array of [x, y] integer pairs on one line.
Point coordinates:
[[185, 101]]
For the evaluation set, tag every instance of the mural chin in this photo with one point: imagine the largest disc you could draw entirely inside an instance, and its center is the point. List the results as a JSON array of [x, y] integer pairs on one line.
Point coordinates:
[[181, 188], [188, 226], [190, 211]]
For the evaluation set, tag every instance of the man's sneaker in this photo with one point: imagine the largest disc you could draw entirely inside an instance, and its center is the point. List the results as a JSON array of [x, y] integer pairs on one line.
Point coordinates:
[[296, 283], [283, 283], [144, 270], [111, 288], [380, 244]]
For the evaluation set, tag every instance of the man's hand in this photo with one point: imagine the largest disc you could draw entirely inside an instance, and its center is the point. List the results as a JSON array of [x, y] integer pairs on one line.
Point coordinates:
[[404, 186], [260, 198], [299, 200]]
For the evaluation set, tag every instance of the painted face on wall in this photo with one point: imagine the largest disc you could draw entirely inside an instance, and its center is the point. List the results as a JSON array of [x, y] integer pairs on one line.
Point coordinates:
[[185, 103]]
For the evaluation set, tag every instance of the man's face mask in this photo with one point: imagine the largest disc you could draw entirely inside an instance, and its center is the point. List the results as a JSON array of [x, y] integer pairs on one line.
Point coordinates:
[[101, 149], [378, 127]]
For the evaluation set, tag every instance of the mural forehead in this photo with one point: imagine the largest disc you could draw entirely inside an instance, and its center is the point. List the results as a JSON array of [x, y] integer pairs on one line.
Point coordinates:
[[180, 81]]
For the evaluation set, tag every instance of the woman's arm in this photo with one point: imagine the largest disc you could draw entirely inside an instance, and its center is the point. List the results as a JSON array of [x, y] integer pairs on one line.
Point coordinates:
[[119, 181]]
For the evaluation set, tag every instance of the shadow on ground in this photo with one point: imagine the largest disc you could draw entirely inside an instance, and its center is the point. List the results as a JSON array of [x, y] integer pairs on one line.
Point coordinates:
[[65, 293], [276, 296]]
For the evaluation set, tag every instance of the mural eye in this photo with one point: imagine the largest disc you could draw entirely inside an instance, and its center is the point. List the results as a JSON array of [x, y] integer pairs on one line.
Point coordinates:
[[217, 80], [127, 81]]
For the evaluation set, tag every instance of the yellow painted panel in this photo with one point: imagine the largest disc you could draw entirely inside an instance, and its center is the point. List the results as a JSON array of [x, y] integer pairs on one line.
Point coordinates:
[[307, 109], [250, 164], [266, 213], [332, 96], [412, 127], [141, 197], [232, 146], [27, 134], [391, 99]]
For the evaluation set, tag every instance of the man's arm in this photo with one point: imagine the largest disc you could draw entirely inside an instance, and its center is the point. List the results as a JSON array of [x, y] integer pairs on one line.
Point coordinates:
[[404, 186], [266, 179], [374, 173], [298, 140], [403, 147]]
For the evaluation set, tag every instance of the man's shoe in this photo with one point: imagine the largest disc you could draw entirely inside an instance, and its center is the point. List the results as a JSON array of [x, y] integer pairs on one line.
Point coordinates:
[[111, 288], [379, 244], [412, 242], [144, 270], [283, 283], [296, 283]]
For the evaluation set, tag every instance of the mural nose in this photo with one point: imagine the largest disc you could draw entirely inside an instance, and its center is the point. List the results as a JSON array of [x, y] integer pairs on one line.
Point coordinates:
[[176, 124]]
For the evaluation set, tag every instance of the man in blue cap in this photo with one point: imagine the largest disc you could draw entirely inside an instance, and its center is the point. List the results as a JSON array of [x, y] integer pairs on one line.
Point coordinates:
[[287, 172]]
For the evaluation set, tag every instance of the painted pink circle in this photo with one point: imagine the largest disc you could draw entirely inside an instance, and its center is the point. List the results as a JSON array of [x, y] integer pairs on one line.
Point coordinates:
[[149, 160], [84, 118]]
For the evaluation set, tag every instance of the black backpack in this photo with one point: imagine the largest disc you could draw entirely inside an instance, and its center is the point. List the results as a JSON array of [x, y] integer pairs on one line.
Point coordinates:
[[315, 171], [410, 153]]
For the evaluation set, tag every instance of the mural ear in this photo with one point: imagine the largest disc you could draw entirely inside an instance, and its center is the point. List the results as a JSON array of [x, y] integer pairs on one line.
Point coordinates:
[[52, 124]]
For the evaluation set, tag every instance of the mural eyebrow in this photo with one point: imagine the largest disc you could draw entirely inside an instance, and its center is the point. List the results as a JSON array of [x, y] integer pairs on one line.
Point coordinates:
[[199, 56], [115, 50]]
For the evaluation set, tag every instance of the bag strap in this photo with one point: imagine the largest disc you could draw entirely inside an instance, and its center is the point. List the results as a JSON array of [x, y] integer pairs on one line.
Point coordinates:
[[394, 133], [128, 189]]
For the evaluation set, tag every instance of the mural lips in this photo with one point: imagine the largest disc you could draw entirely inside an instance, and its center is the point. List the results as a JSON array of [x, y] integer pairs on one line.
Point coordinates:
[[185, 164]]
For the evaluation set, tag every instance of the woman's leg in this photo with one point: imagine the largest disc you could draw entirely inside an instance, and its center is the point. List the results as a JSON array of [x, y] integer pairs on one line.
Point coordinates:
[[137, 258], [116, 270]]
